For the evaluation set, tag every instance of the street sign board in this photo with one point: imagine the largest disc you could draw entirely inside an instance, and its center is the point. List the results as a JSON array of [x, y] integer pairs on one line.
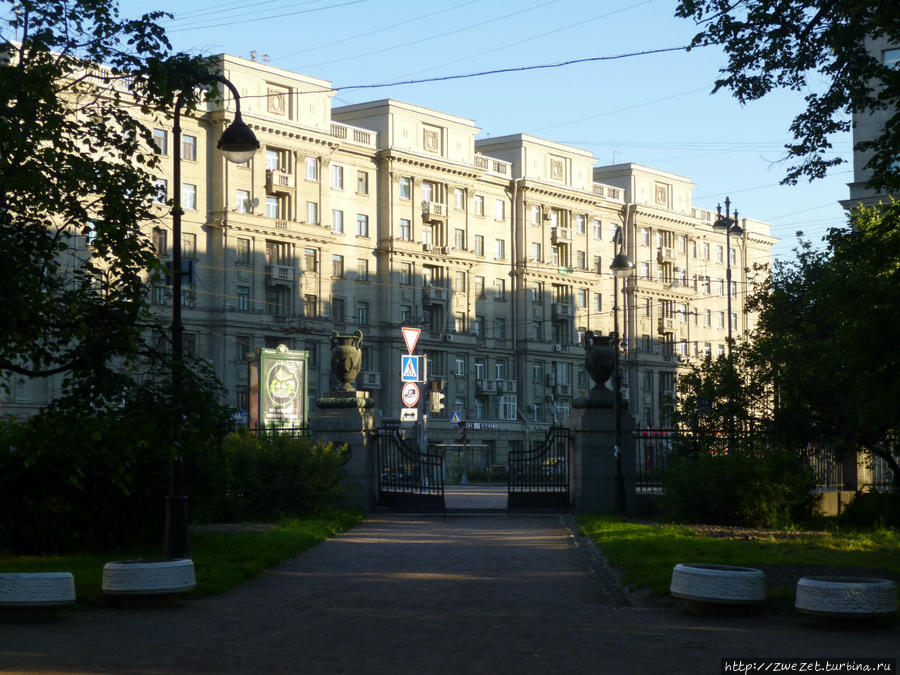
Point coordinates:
[[409, 368], [410, 394], [410, 337], [409, 414], [455, 417]]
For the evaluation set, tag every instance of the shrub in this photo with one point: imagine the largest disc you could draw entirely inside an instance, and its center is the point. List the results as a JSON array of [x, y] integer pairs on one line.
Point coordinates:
[[873, 510], [271, 477], [764, 488]]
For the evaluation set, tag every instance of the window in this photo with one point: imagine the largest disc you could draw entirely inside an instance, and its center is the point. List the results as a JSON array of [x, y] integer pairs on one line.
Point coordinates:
[[189, 147], [506, 407], [535, 214], [405, 313], [732, 256], [459, 240], [338, 310], [706, 250], [242, 252], [160, 244], [271, 207], [309, 259], [537, 329], [362, 225], [707, 318], [427, 192], [597, 229], [479, 205], [598, 302], [162, 191], [733, 321], [597, 264], [536, 251], [161, 141], [721, 350], [478, 325], [720, 287], [682, 243], [479, 245], [242, 347], [405, 188], [427, 234], [362, 313], [337, 177], [580, 223], [733, 289], [500, 289], [478, 287], [362, 269], [312, 213], [479, 367], [645, 270], [337, 221], [188, 246], [459, 282], [459, 199], [273, 162], [405, 229], [554, 255], [459, 323], [499, 209], [720, 254], [310, 306], [189, 196], [243, 298], [243, 201], [499, 328], [406, 273], [581, 260], [499, 249], [312, 168], [645, 236], [581, 298], [460, 365], [891, 58], [720, 320], [362, 182]]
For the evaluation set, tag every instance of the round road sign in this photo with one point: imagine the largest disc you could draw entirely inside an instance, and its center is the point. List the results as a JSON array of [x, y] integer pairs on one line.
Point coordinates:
[[410, 394]]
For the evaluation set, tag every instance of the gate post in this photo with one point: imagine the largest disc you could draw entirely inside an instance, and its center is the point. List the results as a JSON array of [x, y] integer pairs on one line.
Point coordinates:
[[593, 459]]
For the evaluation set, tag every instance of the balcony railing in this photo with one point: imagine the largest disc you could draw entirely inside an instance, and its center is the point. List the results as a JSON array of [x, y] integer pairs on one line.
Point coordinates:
[[280, 274], [562, 310], [354, 135], [433, 210], [496, 167], [435, 294], [279, 181]]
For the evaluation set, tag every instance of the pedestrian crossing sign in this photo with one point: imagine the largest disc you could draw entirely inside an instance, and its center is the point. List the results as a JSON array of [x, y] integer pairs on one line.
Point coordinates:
[[455, 417], [409, 368]]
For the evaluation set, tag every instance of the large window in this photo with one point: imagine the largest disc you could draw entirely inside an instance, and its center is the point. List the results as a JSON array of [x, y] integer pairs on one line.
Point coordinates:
[[405, 188], [337, 177], [479, 205], [189, 147], [479, 245], [499, 209], [362, 182], [312, 213], [405, 229], [161, 141], [243, 201], [242, 252], [362, 225], [309, 259], [337, 218], [189, 196], [312, 168]]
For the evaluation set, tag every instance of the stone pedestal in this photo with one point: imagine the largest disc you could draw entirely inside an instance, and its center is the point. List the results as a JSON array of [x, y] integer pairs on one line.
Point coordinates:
[[347, 417], [593, 458]]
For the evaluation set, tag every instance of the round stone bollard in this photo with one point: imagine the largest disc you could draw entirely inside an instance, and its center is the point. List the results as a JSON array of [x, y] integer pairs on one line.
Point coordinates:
[[709, 587], [35, 596], [155, 583], [852, 599]]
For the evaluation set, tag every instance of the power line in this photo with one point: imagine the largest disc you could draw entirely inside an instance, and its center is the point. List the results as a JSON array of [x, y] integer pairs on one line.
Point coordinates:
[[266, 18]]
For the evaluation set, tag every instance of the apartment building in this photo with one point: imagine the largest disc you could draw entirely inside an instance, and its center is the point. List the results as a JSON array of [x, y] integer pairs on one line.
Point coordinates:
[[869, 126], [384, 214]]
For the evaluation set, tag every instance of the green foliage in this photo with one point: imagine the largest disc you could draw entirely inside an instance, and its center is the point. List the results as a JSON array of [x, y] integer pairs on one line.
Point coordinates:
[[276, 476], [826, 337], [873, 510], [795, 44], [76, 182], [766, 488]]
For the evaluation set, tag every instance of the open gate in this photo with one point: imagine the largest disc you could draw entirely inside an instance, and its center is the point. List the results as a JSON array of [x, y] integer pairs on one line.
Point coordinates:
[[540, 478], [408, 479]]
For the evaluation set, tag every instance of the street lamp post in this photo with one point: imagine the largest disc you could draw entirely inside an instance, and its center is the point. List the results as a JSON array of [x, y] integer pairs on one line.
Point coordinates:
[[622, 267], [238, 144], [731, 227]]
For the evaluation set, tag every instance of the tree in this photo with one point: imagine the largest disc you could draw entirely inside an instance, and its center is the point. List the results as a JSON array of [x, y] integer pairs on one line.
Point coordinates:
[[76, 182], [827, 337], [773, 44]]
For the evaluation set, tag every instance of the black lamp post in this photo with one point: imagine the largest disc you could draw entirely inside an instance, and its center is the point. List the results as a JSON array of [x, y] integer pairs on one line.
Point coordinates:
[[238, 143], [622, 267], [731, 227]]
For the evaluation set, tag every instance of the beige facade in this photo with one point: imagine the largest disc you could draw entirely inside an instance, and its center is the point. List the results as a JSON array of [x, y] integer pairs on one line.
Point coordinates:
[[384, 214]]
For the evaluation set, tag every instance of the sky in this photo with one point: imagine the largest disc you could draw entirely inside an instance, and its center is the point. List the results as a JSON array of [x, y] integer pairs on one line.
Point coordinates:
[[651, 109]]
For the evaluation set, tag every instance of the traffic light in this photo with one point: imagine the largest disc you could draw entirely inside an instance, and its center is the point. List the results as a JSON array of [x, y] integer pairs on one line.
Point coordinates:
[[436, 401]]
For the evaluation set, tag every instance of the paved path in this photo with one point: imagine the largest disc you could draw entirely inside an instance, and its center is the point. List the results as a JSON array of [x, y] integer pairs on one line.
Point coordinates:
[[403, 594]]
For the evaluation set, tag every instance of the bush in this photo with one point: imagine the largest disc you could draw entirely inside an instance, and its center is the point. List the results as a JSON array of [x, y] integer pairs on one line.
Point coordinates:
[[871, 510], [272, 477], [765, 488]]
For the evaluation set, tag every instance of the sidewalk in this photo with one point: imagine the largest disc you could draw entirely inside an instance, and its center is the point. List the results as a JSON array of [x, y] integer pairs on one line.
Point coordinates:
[[405, 594]]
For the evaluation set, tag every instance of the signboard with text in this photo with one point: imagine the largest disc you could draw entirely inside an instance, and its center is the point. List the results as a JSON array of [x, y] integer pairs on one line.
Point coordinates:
[[278, 388]]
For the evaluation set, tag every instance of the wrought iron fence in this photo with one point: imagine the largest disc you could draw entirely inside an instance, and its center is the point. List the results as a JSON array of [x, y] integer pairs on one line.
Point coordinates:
[[293, 432]]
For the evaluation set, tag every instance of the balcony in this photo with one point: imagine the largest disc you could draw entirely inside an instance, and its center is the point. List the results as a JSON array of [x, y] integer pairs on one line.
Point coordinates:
[[563, 390], [486, 386], [280, 274], [353, 135], [561, 234], [433, 210], [370, 379], [666, 325], [562, 310], [506, 386], [495, 167], [433, 294], [279, 181]]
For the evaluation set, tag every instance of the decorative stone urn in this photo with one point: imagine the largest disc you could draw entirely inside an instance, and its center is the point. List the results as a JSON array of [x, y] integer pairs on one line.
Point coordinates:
[[599, 361], [346, 357]]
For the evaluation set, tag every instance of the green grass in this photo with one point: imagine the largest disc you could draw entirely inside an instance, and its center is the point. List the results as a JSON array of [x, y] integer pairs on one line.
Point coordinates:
[[646, 554], [221, 561]]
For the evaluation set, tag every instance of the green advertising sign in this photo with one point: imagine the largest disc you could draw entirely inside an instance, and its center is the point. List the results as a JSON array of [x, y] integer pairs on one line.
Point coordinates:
[[278, 388]]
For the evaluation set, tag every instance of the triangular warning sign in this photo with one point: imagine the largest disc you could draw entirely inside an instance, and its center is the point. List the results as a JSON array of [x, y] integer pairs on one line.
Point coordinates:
[[410, 337]]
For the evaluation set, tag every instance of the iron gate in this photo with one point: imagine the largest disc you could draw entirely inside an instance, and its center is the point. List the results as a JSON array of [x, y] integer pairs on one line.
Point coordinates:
[[540, 478], [408, 479]]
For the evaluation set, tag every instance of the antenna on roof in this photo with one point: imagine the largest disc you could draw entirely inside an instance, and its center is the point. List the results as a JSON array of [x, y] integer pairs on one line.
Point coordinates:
[[253, 55]]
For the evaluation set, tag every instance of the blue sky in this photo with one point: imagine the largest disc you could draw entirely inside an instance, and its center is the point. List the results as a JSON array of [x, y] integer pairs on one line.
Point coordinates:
[[653, 109]]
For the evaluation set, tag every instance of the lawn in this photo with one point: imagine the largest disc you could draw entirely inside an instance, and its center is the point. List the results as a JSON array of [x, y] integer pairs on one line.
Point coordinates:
[[646, 554], [221, 560]]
